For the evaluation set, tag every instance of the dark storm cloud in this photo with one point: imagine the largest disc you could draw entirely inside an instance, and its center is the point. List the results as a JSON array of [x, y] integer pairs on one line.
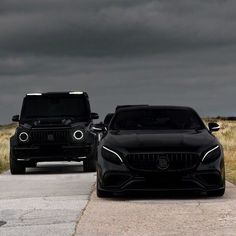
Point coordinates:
[[179, 52], [114, 28], [205, 81]]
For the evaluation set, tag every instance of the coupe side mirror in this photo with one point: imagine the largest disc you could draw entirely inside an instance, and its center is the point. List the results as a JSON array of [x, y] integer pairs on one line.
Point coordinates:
[[16, 118], [213, 127], [94, 116], [108, 118]]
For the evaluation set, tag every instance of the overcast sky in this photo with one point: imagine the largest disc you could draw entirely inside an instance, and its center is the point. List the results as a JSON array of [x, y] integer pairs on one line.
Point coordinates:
[[177, 52]]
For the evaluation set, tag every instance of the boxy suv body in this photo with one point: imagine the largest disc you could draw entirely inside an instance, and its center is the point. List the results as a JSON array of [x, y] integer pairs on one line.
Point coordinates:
[[54, 127]]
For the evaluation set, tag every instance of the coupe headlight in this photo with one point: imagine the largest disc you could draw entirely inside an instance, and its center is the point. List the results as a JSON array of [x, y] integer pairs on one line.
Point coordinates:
[[212, 154], [78, 135], [24, 137], [111, 155]]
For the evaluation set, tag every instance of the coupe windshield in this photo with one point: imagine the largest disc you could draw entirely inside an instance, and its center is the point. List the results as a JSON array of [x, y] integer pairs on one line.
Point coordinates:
[[55, 106], [156, 119]]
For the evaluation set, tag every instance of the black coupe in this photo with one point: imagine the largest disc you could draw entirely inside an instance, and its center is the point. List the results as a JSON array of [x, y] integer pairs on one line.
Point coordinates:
[[159, 148]]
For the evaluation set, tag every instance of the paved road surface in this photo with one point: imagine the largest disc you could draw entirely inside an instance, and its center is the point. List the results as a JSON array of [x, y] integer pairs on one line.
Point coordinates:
[[48, 200], [160, 216]]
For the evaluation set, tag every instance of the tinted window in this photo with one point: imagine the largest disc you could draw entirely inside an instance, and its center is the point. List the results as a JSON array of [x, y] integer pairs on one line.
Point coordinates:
[[156, 119], [108, 119], [54, 106]]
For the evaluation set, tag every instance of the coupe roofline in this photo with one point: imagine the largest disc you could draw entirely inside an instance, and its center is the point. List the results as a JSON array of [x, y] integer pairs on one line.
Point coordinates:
[[149, 107]]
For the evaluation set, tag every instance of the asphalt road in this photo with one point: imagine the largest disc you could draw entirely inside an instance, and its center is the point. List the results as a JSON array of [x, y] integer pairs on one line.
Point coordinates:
[[48, 200], [163, 215]]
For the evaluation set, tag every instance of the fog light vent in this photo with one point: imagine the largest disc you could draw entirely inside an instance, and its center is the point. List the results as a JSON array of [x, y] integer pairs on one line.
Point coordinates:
[[115, 180]]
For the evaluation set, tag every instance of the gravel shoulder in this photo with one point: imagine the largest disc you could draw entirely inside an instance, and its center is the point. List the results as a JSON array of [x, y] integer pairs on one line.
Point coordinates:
[[160, 216]]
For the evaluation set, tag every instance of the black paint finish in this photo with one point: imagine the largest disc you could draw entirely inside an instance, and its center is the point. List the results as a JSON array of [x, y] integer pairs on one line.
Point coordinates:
[[165, 157]]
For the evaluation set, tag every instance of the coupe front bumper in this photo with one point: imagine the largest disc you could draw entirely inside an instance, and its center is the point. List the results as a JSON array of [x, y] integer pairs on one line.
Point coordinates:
[[118, 178]]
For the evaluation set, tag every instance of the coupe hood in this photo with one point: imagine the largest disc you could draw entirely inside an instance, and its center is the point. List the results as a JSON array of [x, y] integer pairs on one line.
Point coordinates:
[[130, 140]]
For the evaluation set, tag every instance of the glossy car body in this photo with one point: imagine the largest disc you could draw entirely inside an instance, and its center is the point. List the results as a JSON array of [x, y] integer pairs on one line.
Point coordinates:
[[54, 127], [160, 159]]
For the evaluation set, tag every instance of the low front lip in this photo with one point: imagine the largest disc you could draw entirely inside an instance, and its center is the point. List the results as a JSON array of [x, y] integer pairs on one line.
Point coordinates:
[[187, 181], [192, 180]]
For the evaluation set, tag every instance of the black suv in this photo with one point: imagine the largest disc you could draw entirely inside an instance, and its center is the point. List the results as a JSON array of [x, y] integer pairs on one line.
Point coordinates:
[[159, 148], [54, 127]]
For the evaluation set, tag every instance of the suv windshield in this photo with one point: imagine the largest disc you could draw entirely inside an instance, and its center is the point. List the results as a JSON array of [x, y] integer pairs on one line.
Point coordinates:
[[55, 106], [156, 119]]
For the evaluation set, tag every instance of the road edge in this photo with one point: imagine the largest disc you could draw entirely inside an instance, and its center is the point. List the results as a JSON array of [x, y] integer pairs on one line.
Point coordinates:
[[84, 209]]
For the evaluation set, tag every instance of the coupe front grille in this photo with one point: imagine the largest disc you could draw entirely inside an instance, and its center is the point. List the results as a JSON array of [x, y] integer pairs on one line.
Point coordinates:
[[49, 136], [162, 161]]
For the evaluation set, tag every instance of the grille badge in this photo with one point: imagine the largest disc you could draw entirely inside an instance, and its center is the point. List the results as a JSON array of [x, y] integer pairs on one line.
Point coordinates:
[[51, 137], [163, 162]]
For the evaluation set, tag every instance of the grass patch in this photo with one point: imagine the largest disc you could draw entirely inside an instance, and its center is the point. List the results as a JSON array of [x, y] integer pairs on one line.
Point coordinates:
[[5, 133], [227, 136]]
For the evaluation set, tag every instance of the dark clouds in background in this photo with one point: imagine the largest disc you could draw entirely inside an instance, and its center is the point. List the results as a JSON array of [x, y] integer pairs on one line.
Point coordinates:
[[178, 52]]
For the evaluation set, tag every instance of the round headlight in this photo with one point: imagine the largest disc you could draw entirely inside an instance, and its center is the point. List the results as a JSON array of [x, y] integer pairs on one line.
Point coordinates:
[[78, 135], [24, 137]]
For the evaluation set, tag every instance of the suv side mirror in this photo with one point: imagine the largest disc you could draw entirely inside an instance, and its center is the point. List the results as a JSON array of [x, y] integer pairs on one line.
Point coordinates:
[[99, 127], [213, 127], [94, 116], [16, 118]]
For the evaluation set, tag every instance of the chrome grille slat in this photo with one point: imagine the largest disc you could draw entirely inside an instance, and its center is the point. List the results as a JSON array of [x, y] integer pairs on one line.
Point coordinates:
[[42, 136]]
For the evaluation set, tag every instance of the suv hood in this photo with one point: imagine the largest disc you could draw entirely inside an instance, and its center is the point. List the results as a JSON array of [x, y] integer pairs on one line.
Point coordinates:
[[52, 122], [181, 140]]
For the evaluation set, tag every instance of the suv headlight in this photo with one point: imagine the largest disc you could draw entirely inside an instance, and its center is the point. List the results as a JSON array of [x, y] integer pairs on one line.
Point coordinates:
[[212, 154], [111, 155], [78, 135], [23, 137]]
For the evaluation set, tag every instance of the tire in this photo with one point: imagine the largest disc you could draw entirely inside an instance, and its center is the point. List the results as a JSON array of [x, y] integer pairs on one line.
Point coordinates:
[[91, 162], [216, 193], [102, 193], [16, 168]]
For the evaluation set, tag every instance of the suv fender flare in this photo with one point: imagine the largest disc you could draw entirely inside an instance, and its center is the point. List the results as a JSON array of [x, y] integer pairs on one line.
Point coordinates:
[[13, 141]]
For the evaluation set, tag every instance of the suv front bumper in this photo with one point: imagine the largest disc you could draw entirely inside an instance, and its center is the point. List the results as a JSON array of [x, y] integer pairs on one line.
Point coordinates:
[[51, 153]]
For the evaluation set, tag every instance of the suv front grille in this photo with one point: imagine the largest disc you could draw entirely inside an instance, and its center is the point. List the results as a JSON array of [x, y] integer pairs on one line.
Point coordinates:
[[49, 136], [162, 161]]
